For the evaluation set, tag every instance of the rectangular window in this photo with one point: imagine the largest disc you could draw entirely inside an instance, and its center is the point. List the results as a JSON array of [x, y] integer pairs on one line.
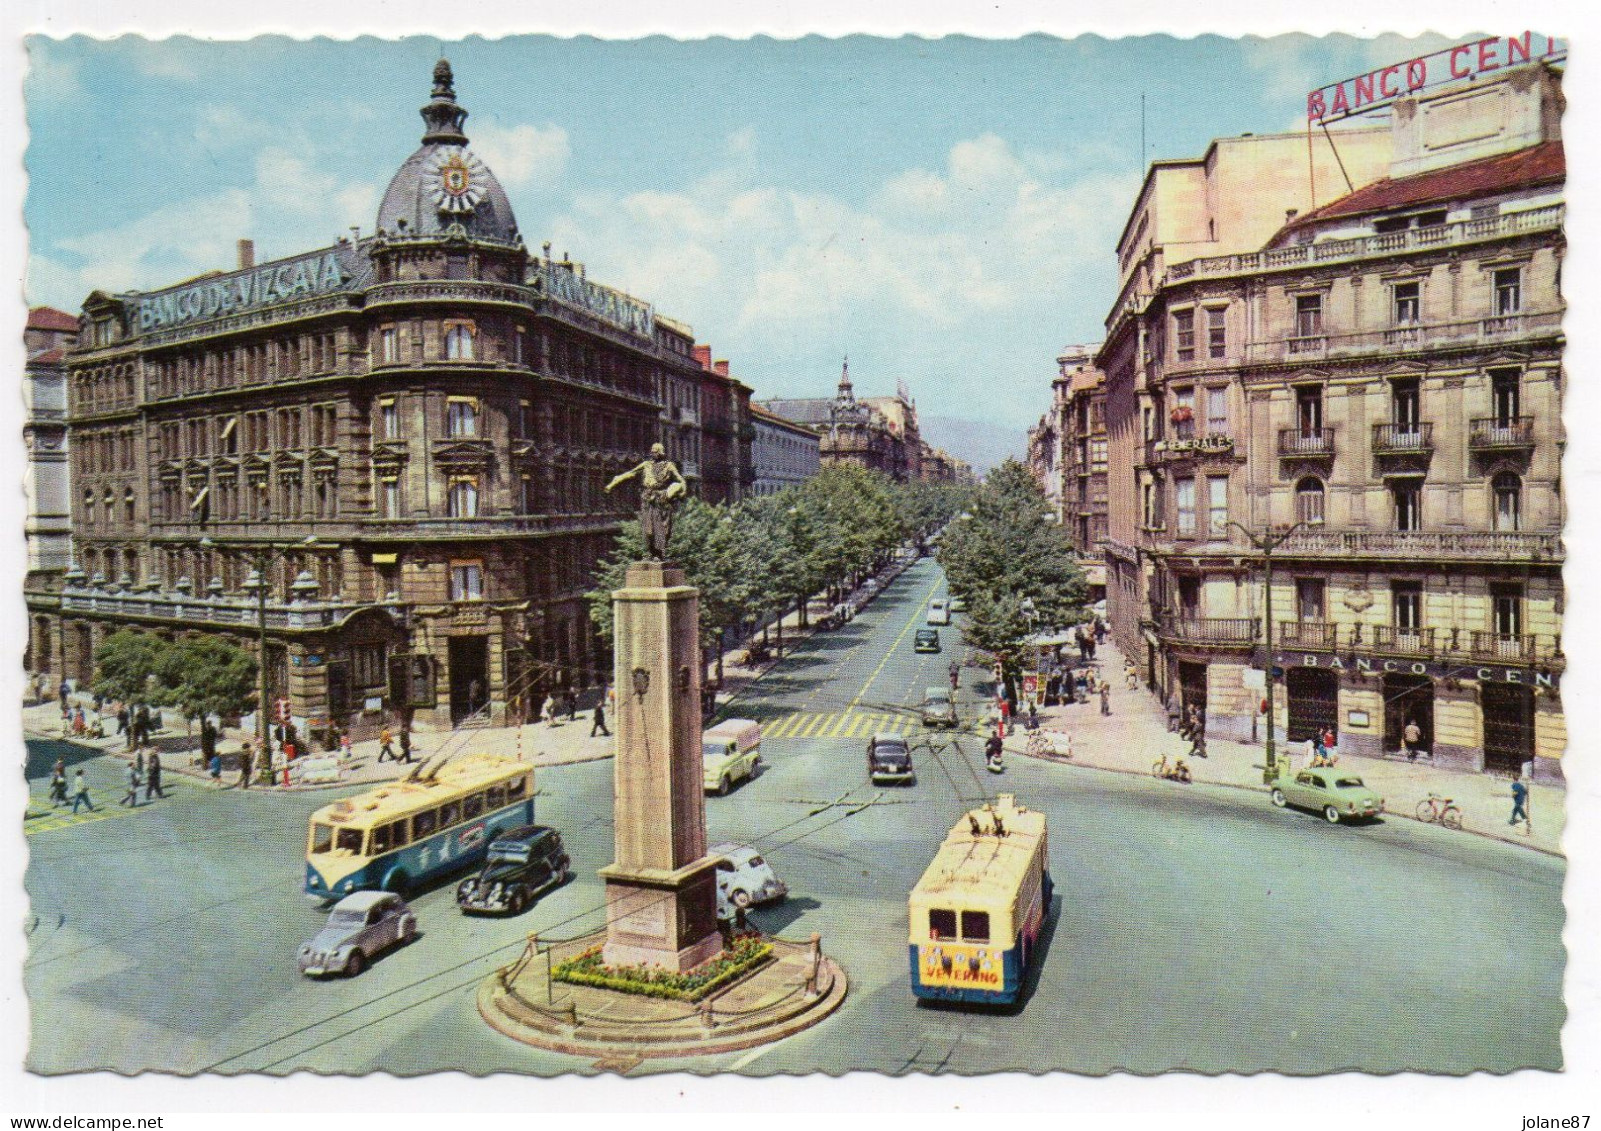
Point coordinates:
[[461, 417], [1405, 405], [397, 834], [1098, 455], [1508, 291], [941, 923], [1507, 608], [1309, 410], [1406, 604], [388, 345], [1505, 397], [1217, 506], [1151, 507], [389, 497], [976, 926], [1308, 316], [424, 823], [388, 419], [1309, 593], [1184, 334], [1408, 303], [1216, 333], [1407, 500], [516, 789], [519, 346], [1184, 502], [466, 581], [459, 342], [472, 807], [1217, 412], [461, 501]]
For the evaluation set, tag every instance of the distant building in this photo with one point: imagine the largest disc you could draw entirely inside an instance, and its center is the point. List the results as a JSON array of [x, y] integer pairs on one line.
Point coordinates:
[[939, 466], [727, 470], [784, 454], [1067, 453], [1378, 378], [854, 431], [47, 525]]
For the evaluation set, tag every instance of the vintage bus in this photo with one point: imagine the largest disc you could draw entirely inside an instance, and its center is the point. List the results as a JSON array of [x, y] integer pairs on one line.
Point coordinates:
[[975, 916], [398, 836]]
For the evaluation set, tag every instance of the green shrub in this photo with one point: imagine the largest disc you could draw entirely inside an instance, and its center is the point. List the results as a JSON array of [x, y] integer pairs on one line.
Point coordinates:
[[587, 969]]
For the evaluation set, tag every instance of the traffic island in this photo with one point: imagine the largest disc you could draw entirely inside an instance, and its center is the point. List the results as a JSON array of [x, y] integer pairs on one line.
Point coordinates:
[[791, 987]]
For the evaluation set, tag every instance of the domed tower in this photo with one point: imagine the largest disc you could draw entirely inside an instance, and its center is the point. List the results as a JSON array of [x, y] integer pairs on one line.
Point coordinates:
[[445, 197]]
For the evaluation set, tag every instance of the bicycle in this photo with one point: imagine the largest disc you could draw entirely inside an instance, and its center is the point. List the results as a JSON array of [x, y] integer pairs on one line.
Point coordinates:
[[1439, 810]]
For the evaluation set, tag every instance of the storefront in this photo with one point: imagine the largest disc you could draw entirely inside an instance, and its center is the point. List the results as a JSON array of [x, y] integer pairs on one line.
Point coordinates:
[[1508, 713], [1313, 699]]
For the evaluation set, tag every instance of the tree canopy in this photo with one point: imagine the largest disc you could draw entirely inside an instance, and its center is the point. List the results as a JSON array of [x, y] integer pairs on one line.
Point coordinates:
[[201, 675]]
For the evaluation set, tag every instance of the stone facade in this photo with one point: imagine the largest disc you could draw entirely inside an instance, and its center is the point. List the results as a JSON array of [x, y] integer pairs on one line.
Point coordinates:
[[784, 454], [1378, 382]]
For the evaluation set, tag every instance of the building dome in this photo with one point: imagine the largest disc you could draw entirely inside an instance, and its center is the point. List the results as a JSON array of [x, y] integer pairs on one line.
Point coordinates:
[[444, 183]]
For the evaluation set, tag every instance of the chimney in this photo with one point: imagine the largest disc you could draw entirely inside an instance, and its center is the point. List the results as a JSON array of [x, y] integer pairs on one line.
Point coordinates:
[[721, 367], [1290, 214], [703, 356], [247, 254]]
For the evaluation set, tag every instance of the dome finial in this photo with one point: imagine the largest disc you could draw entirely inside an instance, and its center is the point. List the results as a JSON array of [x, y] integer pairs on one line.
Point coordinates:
[[443, 116]]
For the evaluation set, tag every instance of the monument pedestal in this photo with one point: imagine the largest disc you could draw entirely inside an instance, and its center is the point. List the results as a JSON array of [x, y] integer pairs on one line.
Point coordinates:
[[661, 891]]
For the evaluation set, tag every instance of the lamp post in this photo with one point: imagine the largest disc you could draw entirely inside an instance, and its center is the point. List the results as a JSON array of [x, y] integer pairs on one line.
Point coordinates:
[[1265, 544], [256, 583]]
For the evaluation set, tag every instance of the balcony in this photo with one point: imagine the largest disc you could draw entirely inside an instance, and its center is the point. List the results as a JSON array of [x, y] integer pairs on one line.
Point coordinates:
[[1238, 632], [1411, 337], [1398, 641], [449, 290], [241, 612], [497, 526], [1503, 433], [1513, 647], [1320, 634], [1424, 545], [1403, 439], [1548, 218], [1313, 443]]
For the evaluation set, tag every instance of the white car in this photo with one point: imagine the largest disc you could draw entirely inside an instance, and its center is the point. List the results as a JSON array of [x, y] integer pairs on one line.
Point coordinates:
[[744, 879]]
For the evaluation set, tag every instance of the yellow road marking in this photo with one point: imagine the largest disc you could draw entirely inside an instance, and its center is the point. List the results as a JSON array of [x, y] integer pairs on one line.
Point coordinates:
[[916, 613], [856, 725], [811, 725]]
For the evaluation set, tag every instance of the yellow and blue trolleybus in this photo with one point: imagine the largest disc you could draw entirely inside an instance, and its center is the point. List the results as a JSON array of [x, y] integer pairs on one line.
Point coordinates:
[[398, 836], [976, 914]]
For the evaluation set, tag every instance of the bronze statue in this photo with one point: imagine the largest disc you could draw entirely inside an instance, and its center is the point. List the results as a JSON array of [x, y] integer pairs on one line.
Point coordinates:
[[662, 487]]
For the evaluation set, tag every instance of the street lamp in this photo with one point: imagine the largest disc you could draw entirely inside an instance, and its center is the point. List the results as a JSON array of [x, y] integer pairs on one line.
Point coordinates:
[[1265, 544]]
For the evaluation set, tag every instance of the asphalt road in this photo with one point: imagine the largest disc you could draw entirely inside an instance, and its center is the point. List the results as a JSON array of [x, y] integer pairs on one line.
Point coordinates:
[[1195, 928]]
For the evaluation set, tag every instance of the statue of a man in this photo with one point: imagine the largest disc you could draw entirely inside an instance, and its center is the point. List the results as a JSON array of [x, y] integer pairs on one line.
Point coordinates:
[[661, 489]]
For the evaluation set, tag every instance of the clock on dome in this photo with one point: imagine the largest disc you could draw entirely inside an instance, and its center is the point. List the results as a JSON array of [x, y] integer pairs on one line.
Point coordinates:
[[456, 180]]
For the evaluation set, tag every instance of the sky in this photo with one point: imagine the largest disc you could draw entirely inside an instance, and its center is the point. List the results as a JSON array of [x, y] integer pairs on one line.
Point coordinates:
[[943, 211]]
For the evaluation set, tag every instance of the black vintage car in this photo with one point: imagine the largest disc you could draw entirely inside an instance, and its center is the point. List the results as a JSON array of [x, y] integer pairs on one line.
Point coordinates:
[[521, 863]]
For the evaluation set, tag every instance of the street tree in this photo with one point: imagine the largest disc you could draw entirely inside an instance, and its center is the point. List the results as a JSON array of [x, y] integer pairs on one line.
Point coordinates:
[[204, 675], [127, 665]]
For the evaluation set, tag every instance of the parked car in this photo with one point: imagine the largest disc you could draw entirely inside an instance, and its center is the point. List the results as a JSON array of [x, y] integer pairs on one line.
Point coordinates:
[[521, 863], [958, 605], [360, 926], [731, 751], [889, 760], [938, 708], [926, 640], [1340, 794], [744, 879], [938, 612]]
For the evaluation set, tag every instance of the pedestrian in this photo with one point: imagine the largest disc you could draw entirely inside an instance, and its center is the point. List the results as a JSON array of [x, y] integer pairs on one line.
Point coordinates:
[[58, 784], [571, 702], [1100, 631], [344, 746], [99, 701], [139, 759], [122, 720], [131, 798], [1033, 716], [1089, 645], [551, 712], [80, 793], [79, 726], [600, 720], [1330, 745], [405, 744], [386, 749], [1106, 698], [215, 765], [1520, 799], [153, 779], [141, 725], [1413, 736], [63, 691], [247, 763], [475, 691]]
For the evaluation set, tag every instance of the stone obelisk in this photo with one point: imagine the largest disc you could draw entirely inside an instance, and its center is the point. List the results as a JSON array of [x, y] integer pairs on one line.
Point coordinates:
[[661, 890]]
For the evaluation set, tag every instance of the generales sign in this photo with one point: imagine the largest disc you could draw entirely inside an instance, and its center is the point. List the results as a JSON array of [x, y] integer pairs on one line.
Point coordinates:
[[314, 274]]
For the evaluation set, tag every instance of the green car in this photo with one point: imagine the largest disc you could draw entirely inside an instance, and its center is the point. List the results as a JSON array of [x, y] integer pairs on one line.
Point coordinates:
[[1340, 794], [926, 640]]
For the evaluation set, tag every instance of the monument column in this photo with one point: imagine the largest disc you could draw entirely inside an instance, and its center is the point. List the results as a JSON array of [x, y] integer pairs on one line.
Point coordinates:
[[661, 889]]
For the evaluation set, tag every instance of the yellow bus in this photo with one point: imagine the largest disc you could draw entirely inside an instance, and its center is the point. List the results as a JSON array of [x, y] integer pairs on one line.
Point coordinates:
[[399, 835], [976, 914]]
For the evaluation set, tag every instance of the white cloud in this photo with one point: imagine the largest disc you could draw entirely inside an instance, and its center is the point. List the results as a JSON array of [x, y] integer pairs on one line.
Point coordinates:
[[522, 156], [289, 207]]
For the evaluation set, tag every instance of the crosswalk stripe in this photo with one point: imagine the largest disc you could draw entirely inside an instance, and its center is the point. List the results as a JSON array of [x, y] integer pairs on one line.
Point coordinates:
[[856, 725], [837, 728], [811, 726], [777, 728]]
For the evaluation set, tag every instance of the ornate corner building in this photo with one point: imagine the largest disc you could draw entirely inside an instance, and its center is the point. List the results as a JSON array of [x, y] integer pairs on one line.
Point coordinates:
[[404, 437], [1377, 379], [1067, 454]]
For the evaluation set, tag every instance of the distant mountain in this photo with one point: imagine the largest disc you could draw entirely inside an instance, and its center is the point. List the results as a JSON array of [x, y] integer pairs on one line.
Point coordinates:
[[980, 443]]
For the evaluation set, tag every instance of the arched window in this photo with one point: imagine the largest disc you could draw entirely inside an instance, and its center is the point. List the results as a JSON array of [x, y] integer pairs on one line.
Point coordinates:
[[1508, 489], [463, 500], [1309, 501]]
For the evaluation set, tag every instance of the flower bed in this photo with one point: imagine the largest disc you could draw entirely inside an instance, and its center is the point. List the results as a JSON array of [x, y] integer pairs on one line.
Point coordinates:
[[587, 969]]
